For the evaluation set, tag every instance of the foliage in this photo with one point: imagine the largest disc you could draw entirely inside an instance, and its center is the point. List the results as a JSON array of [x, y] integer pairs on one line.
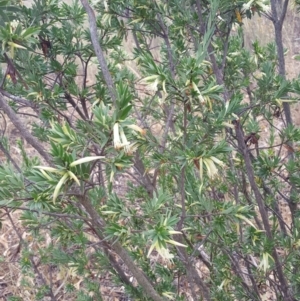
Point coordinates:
[[157, 165]]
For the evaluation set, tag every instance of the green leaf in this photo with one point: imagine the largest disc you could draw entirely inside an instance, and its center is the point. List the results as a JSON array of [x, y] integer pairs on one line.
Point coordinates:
[[29, 32], [85, 160], [59, 185]]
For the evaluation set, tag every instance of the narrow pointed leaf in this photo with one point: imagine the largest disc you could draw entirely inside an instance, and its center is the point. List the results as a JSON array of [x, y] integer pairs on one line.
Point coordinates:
[[59, 185], [72, 175], [47, 168], [176, 243], [85, 160], [12, 44], [246, 220]]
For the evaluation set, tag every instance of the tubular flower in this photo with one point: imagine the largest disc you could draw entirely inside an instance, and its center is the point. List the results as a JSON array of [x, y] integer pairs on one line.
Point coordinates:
[[125, 142], [117, 139], [161, 250], [120, 140], [137, 129], [211, 167]]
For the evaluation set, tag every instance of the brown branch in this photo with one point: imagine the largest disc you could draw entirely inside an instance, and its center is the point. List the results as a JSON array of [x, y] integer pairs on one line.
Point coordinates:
[[144, 177], [264, 216], [98, 50], [170, 109], [182, 176], [217, 71], [278, 20], [22, 129], [278, 23], [143, 281], [18, 99], [70, 99]]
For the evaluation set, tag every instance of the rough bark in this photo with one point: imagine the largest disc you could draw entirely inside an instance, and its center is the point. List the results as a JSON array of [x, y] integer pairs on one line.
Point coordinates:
[[98, 50]]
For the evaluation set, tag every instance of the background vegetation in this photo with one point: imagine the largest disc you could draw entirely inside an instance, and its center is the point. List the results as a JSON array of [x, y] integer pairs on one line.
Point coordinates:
[[156, 154]]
